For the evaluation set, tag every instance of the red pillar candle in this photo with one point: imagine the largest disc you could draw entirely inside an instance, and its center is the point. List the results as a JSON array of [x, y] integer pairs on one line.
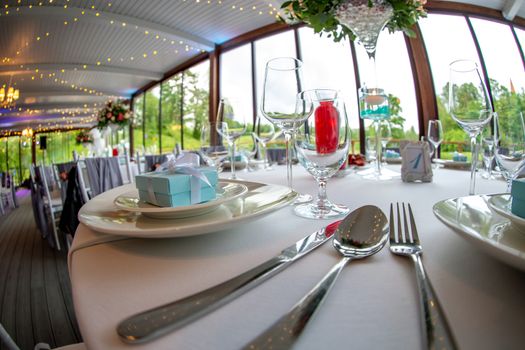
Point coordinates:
[[327, 128]]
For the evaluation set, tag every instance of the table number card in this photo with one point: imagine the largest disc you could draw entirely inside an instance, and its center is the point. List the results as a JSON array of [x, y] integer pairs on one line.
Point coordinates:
[[416, 164]]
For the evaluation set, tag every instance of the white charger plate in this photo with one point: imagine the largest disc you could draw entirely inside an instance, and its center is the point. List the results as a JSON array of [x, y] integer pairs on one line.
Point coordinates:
[[473, 219], [226, 191], [501, 204], [101, 215]]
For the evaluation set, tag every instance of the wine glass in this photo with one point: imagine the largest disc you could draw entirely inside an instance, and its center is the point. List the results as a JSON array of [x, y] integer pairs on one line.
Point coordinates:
[[231, 124], [509, 144], [435, 135], [322, 144], [212, 152], [470, 106], [280, 105], [264, 133]]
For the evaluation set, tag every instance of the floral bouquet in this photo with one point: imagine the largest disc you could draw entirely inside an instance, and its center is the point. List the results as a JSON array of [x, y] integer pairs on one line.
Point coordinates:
[[84, 137], [114, 114], [324, 15]]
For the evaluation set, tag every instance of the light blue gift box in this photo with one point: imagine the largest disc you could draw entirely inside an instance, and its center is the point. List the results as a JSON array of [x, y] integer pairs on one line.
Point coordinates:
[[175, 189], [518, 197]]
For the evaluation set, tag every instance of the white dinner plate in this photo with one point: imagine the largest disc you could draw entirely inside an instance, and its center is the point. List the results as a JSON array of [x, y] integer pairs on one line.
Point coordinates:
[[473, 219], [226, 191], [500, 203], [101, 214], [451, 164]]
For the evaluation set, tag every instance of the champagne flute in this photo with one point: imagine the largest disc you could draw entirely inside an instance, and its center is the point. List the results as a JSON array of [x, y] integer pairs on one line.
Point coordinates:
[[280, 105], [231, 124], [509, 144], [385, 135], [435, 135], [322, 144], [470, 106]]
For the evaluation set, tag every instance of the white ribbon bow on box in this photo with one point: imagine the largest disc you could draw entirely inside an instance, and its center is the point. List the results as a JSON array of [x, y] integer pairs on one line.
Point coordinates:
[[185, 163]]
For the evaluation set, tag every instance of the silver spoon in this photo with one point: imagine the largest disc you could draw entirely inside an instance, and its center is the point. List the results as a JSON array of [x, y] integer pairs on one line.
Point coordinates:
[[361, 234]]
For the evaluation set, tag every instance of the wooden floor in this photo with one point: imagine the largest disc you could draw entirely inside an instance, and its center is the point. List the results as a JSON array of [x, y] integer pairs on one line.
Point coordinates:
[[35, 291]]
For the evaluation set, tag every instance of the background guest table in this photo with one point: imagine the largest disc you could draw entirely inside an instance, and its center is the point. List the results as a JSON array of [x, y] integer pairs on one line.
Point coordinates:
[[374, 304]]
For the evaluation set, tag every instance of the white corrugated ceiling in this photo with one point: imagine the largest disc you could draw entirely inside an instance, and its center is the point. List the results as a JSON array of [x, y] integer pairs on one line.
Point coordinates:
[[68, 57]]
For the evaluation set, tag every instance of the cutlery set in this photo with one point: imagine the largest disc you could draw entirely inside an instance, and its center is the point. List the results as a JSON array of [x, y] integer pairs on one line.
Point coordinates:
[[362, 233]]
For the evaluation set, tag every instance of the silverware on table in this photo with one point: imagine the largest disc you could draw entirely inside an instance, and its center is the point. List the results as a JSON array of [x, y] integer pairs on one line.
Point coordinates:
[[362, 233], [405, 242], [153, 323]]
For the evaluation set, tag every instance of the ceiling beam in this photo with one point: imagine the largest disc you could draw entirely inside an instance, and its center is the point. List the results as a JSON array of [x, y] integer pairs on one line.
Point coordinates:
[[105, 17], [17, 69], [511, 8]]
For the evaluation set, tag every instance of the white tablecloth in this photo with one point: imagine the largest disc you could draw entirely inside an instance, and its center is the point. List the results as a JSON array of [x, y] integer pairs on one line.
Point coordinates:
[[373, 305]]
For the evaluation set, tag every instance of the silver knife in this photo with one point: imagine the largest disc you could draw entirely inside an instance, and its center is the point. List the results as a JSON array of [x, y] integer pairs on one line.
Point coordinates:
[[153, 323]]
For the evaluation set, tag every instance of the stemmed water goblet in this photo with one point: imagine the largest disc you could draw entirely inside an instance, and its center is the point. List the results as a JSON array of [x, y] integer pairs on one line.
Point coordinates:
[[231, 124], [280, 105], [435, 135], [322, 144], [470, 105], [509, 144]]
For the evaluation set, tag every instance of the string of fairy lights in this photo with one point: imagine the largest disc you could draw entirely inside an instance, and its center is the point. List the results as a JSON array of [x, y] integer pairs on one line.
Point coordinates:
[[74, 15]]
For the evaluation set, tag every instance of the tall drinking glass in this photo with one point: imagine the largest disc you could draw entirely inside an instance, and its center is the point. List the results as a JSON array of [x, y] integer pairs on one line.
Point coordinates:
[[487, 148], [322, 144], [470, 106], [435, 135], [279, 104], [211, 150], [231, 124], [509, 144], [385, 135]]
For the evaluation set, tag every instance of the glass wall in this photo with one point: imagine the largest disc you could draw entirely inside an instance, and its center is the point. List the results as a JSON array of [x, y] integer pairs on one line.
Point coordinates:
[[151, 120], [196, 86], [138, 123], [171, 113], [3, 154], [448, 38]]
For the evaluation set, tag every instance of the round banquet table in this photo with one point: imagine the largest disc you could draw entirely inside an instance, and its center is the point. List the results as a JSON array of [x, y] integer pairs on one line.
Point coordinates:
[[374, 304]]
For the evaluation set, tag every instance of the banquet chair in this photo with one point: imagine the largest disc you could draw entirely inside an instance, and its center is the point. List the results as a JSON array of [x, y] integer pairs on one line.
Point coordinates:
[[7, 193], [125, 163], [82, 177], [52, 206], [97, 175], [9, 343], [141, 163]]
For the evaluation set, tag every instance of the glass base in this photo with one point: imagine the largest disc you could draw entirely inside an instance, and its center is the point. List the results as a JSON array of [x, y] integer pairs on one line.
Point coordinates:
[[312, 211], [302, 199]]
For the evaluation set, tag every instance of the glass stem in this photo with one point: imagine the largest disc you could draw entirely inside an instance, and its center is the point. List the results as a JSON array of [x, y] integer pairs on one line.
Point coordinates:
[[379, 157], [287, 142], [474, 164], [321, 194], [232, 160]]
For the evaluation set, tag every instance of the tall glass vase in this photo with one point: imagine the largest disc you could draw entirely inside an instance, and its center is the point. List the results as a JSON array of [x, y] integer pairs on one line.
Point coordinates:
[[367, 22]]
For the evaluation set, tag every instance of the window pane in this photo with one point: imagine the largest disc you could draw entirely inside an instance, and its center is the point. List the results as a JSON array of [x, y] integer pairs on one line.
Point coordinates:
[[447, 38], [278, 45], [171, 113], [501, 55], [138, 121], [196, 103], [394, 75], [151, 119], [12, 155], [3, 154], [330, 65], [236, 74]]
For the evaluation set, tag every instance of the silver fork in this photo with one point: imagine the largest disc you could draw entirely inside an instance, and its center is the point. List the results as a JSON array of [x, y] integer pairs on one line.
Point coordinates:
[[405, 241]]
